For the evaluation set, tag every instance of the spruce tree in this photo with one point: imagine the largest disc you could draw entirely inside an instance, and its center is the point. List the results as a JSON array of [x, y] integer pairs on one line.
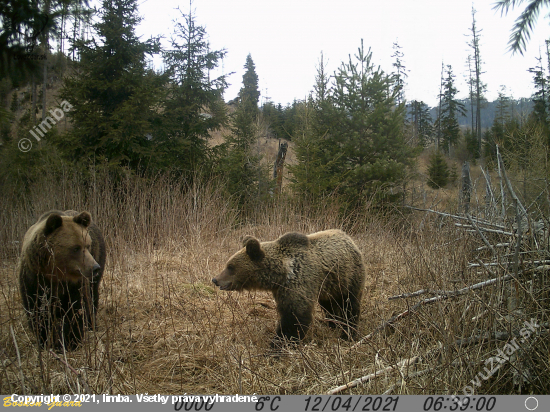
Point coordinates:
[[194, 106], [113, 94], [249, 94], [477, 86], [238, 163], [421, 123], [23, 23], [400, 73], [361, 150], [438, 171], [450, 109], [540, 96], [313, 176]]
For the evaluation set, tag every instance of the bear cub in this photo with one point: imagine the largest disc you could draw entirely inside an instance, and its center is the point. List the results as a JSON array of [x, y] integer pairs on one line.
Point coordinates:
[[300, 270], [61, 266]]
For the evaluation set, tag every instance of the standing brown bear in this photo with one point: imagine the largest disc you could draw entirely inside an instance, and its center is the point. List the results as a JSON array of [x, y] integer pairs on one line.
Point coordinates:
[[300, 270], [61, 266]]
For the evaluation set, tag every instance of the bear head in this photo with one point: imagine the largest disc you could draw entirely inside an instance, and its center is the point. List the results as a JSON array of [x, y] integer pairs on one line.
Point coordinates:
[[66, 248], [242, 269]]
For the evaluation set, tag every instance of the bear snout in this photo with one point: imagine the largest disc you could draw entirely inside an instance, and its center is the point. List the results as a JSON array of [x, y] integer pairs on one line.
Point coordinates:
[[223, 285], [96, 270]]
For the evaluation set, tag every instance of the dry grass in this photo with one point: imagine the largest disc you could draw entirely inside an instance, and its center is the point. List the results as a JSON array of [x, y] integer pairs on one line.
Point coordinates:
[[164, 329]]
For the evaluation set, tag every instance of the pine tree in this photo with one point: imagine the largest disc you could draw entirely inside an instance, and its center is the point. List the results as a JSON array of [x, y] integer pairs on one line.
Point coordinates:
[[245, 116], [112, 92]]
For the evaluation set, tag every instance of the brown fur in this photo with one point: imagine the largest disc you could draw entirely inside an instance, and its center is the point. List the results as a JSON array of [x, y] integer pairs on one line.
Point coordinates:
[[61, 266], [301, 269]]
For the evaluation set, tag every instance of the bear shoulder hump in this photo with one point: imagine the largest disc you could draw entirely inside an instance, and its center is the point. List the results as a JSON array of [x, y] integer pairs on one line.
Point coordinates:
[[293, 240]]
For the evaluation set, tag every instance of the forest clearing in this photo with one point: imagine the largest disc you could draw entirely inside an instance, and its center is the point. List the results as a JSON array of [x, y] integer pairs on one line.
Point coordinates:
[[451, 217], [164, 328]]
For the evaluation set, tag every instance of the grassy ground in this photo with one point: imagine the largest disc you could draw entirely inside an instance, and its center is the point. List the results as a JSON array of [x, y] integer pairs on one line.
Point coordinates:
[[164, 328]]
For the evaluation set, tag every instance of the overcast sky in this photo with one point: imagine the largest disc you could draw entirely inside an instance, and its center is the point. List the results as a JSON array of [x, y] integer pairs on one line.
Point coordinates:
[[286, 38]]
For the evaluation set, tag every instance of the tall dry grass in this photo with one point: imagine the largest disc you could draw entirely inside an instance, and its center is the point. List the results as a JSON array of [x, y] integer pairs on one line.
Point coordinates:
[[163, 328]]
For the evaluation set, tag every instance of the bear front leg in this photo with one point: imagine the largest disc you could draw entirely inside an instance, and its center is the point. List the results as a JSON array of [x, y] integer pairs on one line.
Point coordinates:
[[41, 316], [353, 312], [73, 328], [90, 297], [294, 322]]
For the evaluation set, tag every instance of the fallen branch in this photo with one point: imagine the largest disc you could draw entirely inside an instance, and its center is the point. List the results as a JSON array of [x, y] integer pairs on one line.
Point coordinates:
[[480, 233], [498, 336], [450, 293], [533, 262], [485, 267], [498, 245], [488, 336], [73, 370], [477, 220], [406, 378], [383, 326], [443, 295], [411, 295], [372, 376], [486, 229], [521, 209]]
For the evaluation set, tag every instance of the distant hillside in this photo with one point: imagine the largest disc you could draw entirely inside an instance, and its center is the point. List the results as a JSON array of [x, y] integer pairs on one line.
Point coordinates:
[[520, 107]]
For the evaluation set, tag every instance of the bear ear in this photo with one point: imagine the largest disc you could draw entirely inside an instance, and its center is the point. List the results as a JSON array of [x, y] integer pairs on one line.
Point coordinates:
[[83, 219], [54, 221], [253, 249], [246, 239]]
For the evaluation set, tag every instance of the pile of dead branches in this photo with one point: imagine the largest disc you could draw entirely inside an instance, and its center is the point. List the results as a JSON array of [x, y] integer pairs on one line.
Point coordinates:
[[511, 259]]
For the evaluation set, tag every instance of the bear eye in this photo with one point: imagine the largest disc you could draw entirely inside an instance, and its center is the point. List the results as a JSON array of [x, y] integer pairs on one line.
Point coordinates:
[[230, 267], [76, 249]]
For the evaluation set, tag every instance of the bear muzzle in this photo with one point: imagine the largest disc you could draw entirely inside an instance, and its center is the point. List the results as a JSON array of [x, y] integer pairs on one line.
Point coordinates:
[[223, 285], [96, 270]]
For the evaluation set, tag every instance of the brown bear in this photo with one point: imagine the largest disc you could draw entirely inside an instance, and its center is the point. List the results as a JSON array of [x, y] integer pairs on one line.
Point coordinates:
[[300, 270], [61, 266]]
